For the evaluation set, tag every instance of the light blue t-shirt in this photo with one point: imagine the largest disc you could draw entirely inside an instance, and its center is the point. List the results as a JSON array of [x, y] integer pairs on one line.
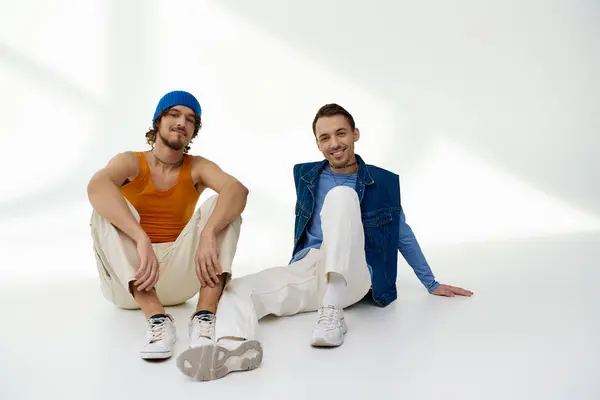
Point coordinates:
[[407, 242]]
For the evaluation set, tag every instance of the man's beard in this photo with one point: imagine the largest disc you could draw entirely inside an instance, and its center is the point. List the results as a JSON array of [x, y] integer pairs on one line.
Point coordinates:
[[174, 145]]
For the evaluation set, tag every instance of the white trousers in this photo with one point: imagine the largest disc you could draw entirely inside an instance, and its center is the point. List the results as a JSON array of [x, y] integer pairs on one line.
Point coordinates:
[[300, 287], [117, 258]]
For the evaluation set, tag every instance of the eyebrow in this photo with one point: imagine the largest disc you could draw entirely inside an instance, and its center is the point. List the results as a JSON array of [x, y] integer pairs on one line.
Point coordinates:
[[187, 114], [327, 133]]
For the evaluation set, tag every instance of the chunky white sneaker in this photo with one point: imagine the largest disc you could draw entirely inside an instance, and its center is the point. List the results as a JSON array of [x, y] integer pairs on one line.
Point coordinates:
[[202, 329], [161, 336], [210, 360], [330, 328]]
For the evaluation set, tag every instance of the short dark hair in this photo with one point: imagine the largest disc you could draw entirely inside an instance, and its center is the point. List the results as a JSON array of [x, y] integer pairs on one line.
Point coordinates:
[[329, 110], [152, 133]]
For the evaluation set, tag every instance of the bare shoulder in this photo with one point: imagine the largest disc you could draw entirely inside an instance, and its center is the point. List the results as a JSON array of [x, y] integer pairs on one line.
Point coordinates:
[[200, 162], [202, 168], [120, 168], [207, 174]]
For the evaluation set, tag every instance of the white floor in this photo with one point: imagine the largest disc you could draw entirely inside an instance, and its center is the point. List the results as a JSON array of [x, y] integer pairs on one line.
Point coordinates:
[[531, 331]]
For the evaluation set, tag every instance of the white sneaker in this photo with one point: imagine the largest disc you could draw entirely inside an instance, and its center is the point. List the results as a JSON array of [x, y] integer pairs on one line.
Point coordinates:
[[330, 328], [161, 338], [202, 329], [210, 360]]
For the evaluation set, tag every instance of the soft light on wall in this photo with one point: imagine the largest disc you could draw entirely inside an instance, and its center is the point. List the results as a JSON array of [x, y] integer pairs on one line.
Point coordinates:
[[79, 88]]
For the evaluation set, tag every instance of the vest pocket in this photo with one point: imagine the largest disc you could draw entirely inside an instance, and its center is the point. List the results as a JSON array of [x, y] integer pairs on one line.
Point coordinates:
[[376, 227], [301, 213], [375, 220]]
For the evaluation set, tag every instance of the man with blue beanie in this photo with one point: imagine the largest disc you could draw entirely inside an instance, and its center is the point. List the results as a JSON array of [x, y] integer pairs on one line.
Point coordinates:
[[152, 247], [349, 228]]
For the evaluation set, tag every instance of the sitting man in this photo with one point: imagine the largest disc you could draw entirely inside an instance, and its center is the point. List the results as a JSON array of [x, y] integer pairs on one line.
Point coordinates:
[[153, 249], [349, 228]]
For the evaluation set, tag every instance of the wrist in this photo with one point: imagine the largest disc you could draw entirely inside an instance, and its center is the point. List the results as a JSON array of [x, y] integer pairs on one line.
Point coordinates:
[[140, 237], [433, 286], [208, 231]]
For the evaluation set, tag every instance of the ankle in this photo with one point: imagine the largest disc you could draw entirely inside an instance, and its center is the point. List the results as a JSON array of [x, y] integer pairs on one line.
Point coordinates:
[[335, 291], [148, 302], [152, 312], [206, 303]]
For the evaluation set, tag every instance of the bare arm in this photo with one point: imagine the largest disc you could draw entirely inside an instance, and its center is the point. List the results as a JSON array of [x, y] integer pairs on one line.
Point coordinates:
[[229, 206], [232, 194], [106, 198]]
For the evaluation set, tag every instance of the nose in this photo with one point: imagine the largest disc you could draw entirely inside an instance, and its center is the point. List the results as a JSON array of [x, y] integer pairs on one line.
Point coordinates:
[[181, 120], [334, 142]]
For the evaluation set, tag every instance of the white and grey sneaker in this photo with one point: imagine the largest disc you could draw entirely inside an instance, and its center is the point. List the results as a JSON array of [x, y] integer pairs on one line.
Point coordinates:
[[210, 360], [161, 336], [330, 328], [202, 329]]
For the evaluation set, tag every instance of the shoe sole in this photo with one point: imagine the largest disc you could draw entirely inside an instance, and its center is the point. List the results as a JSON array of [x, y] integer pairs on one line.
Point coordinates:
[[321, 342], [156, 355], [208, 362]]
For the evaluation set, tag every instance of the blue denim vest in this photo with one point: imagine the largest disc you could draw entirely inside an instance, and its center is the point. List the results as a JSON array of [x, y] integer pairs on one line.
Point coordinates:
[[379, 194]]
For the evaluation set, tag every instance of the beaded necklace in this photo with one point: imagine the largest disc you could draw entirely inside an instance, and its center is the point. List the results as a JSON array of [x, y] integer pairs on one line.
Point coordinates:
[[346, 179], [167, 163]]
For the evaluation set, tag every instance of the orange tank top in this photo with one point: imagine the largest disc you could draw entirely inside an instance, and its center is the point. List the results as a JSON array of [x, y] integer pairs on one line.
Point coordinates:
[[163, 213]]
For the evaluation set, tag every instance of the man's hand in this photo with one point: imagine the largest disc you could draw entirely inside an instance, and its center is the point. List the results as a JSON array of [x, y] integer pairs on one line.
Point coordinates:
[[451, 291], [207, 260], [147, 273]]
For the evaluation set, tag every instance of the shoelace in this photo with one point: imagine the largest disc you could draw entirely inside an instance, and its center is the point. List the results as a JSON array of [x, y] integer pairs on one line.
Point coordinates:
[[202, 326], [158, 329], [328, 316]]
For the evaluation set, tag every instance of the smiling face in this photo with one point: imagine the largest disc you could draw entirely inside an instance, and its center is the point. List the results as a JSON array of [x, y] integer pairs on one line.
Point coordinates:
[[335, 134], [177, 127]]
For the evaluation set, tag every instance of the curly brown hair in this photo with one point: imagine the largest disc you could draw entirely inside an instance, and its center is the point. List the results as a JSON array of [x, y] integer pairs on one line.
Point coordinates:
[[151, 134]]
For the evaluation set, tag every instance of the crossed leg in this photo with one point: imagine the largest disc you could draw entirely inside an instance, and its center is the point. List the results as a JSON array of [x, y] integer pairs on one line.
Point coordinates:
[[303, 286]]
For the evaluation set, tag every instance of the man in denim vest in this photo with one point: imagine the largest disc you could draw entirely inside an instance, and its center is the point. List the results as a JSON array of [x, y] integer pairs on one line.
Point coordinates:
[[349, 227]]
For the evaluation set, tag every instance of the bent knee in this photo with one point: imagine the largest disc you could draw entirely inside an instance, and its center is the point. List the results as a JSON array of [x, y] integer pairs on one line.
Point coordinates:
[[341, 195]]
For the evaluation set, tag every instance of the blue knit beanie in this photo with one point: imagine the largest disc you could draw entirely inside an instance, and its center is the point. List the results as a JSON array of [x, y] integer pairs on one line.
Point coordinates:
[[177, 98]]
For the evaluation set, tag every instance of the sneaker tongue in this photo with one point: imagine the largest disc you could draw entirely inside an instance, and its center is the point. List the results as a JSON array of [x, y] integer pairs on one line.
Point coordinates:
[[204, 315], [157, 318], [327, 316]]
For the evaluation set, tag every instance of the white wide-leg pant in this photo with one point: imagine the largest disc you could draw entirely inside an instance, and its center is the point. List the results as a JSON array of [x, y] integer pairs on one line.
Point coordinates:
[[300, 287]]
